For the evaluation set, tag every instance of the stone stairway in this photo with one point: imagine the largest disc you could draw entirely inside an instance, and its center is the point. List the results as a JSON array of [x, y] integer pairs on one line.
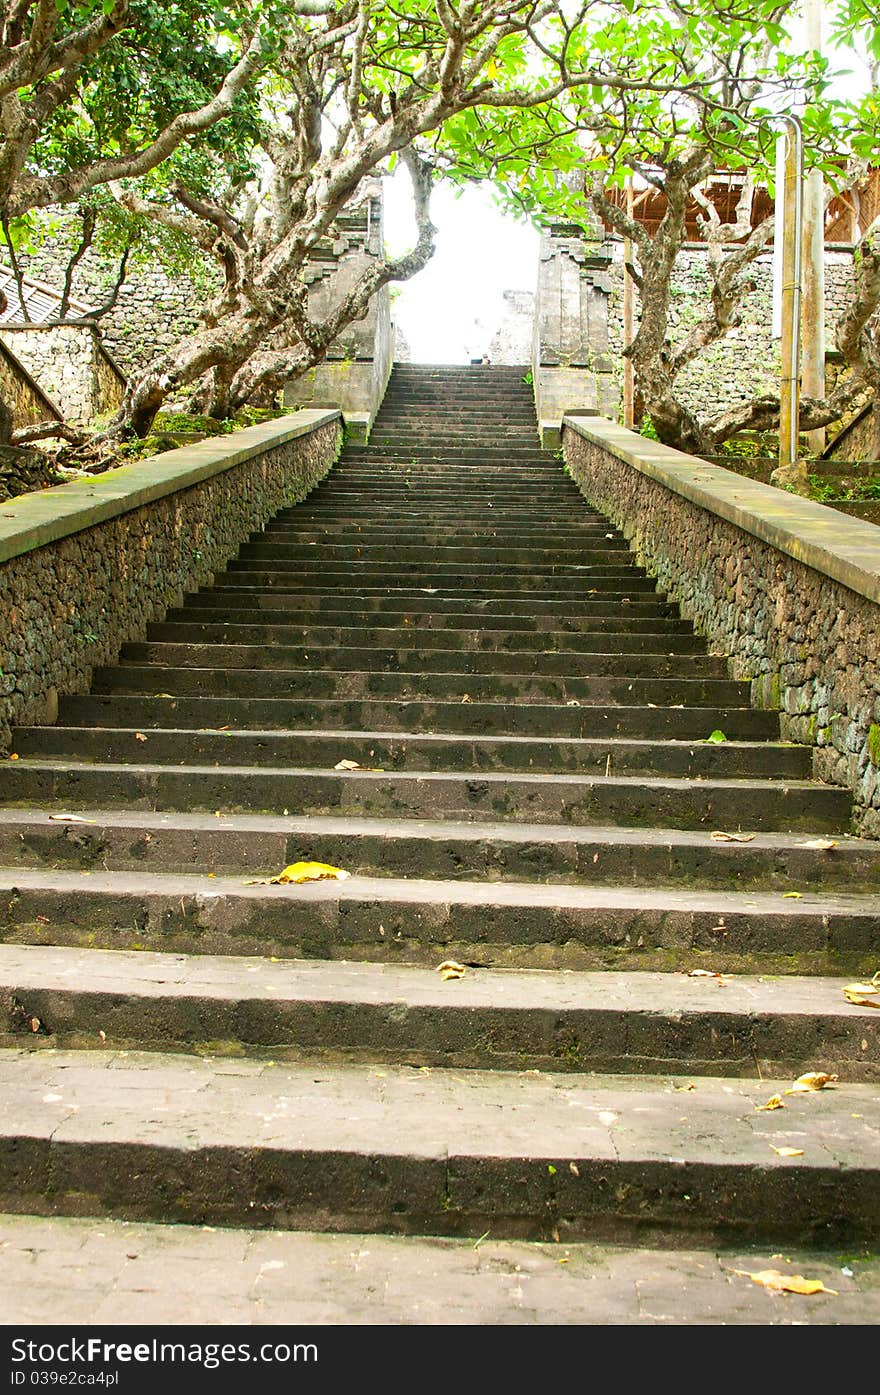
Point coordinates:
[[536, 799]]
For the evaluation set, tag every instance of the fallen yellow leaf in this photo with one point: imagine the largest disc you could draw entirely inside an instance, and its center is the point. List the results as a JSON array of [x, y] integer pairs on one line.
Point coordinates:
[[69, 818], [718, 836], [13, 755], [788, 1152], [813, 1080], [864, 994], [450, 968], [792, 895], [309, 872], [820, 844], [785, 1283], [347, 765], [139, 736], [774, 1102]]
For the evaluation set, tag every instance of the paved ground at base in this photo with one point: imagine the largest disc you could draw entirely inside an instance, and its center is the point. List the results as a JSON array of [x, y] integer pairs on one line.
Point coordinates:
[[59, 1271]]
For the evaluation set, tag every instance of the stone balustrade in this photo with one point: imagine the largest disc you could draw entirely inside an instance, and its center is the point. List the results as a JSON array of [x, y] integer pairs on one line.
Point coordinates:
[[787, 587], [84, 567]]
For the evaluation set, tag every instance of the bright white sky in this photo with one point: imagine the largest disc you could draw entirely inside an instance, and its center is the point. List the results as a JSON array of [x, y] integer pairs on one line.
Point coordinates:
[[481, 252]]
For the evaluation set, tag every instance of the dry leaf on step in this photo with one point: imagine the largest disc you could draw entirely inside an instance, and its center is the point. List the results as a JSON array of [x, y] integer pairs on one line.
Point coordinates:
[[864, 994], [347, 765], [812, 1080], [139, 736], [69, 818], [309, 872], [450, 968], [466, 698], [774, 1102], [719, 836], [788, 1152], [785, 1283], [820, 844], [702, 973]]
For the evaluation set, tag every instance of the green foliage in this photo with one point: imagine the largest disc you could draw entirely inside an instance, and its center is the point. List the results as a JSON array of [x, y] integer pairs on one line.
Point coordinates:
[[169, 425], [852, 491]]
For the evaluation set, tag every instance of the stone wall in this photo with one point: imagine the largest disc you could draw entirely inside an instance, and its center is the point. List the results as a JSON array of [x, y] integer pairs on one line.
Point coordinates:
[[789, 589], [746, 362], [86, 566], [72, 366], [24, 398], [155, 309], [511, 344]]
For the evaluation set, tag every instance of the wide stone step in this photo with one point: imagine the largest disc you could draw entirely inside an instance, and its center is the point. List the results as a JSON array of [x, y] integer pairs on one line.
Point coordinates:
[[412, 751], [306, 1277], [395, 559], [597, 594], [628, 801], [386, 920], [628, 1023], [250, 844], [476, 579], [633, 611], [404, 687], [311, 532], [404, 660], [639, 639], [162, 709], [184, 1138]]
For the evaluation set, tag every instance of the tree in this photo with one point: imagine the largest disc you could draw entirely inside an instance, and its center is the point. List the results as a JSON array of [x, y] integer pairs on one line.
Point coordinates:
[[358, 86], [94, 92], [678, 148]]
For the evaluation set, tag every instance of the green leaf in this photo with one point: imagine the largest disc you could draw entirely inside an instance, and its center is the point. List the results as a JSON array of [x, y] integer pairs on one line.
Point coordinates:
[[716, 737]]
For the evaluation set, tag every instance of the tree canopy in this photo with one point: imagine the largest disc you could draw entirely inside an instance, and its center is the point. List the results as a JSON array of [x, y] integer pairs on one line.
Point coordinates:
[[245, 128]]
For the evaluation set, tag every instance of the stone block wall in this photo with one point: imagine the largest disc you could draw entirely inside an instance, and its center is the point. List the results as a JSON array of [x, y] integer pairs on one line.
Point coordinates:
[[788, 588], [24, 398], [82, 380], [746, 362], [86, 566]]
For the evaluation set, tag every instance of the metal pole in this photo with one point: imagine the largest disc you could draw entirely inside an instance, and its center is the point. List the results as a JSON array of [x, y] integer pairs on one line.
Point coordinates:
[[813, 345], [792, 213], [628, 318]]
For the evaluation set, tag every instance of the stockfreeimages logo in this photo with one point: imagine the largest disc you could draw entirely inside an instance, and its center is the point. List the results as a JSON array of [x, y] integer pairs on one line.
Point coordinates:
[[96, 1351]]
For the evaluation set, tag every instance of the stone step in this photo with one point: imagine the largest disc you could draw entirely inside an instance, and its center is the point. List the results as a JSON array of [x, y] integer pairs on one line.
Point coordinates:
[[412, 751], [632, 1022], [628, 801], [185, 1138], [609, 594], [405, 660], [437, 558], [476, 579], [640, 638], [480, 513], [301, 1278], [248, 845], [161, 709], [311, 532], [604, 601], [133, 678]]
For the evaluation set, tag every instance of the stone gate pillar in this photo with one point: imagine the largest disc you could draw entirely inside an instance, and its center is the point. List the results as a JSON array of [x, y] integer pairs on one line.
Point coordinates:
[[570, 362], [355, 372]]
